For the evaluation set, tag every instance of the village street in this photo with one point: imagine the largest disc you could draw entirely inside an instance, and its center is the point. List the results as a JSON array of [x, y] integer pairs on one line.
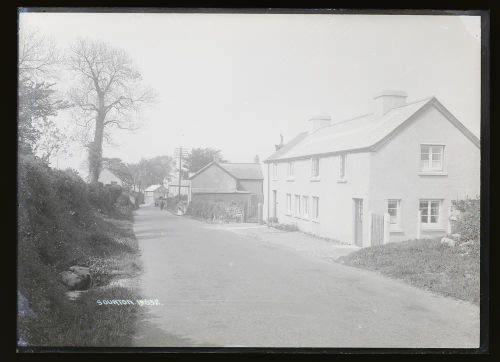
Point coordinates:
[[220, 288]]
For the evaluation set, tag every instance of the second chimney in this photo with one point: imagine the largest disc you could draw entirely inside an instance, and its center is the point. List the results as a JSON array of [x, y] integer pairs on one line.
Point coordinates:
[[319, 122], [387, 100]]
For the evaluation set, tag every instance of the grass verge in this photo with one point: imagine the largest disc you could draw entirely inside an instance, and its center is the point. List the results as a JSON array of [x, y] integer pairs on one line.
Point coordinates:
[[426, 264]]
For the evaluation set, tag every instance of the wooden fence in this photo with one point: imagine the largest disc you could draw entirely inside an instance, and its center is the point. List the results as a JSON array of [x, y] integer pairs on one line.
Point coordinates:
[[378, 229]]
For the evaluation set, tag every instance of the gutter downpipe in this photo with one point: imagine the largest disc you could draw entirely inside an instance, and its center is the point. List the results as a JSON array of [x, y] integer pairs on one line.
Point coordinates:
[[268, 185]]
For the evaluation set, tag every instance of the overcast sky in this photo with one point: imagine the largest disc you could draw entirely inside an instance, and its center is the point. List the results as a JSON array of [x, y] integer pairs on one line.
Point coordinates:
[[236, 81]]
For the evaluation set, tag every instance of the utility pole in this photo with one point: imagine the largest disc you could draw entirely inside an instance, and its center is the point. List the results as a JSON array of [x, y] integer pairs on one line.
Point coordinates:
[[181, 152], [180, 173]]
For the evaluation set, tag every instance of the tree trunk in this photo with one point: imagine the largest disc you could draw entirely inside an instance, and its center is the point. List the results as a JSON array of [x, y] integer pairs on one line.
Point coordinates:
[[95, 149]]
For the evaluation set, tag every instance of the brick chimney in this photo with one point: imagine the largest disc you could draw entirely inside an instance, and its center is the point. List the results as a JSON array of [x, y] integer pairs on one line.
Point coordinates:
[[320, 122], [387, 100]]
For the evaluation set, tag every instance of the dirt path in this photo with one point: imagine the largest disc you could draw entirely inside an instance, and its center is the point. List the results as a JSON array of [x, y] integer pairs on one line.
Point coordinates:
[[218, 288]]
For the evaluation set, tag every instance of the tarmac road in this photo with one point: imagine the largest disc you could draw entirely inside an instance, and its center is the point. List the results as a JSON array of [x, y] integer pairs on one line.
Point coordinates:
[[218, 288]]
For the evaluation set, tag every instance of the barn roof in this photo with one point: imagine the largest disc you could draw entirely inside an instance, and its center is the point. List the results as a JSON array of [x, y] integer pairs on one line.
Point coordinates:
[[364, 132], [244, 171], [239, 171]]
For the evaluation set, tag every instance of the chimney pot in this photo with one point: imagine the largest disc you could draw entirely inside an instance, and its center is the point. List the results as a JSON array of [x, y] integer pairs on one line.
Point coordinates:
[[387, 100], [318, 122]]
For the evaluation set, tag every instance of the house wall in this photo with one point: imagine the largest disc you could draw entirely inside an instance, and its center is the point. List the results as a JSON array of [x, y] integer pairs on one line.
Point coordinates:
[[395, 172], [173, 190], [336, 205], [213, 179], [151, 196], [252, 186]]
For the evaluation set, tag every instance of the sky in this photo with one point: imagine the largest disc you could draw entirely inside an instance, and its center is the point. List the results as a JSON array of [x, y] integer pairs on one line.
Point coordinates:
[[235, 82]]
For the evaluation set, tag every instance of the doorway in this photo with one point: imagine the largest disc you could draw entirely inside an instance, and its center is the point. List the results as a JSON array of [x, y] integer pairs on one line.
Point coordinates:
[[275, 203], [358, 222]]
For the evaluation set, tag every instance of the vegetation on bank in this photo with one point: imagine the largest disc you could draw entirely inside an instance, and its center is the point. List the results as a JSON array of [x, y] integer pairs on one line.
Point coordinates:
[[217, 211], [63, 221], [450, 270]]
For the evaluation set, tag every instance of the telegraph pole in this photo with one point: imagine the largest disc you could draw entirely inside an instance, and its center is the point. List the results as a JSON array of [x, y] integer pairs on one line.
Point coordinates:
[[180, 173], [181, 152]]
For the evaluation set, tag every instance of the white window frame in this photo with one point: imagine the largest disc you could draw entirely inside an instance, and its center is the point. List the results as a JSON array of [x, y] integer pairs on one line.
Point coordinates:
[[275, 171], [315, 170], [290, 173], [297, 205], [432, 148], [397, 223], [315, 208], [288, 204], [305, 206], [342, 166], [427, 223]]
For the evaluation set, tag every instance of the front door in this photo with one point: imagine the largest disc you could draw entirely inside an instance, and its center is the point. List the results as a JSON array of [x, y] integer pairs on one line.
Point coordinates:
[[275, 203], [358, 222]]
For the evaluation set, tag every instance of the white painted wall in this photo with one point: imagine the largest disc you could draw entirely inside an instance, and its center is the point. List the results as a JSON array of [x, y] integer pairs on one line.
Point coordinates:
[[395, 172], [392, 172], [336, 206]]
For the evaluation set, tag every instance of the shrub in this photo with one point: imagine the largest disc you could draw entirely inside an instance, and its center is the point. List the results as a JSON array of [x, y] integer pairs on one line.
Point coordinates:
[[224, 211], [58, 228], [468, 222]]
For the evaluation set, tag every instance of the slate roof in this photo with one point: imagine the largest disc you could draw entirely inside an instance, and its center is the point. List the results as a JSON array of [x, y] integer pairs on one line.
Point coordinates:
[[240, 171], [244, 171], [365, 132]]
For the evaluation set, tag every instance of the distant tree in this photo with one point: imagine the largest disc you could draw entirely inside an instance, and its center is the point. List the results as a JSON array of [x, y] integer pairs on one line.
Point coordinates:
[[200, 157], [108, 94], [151, 171], [160, 167]]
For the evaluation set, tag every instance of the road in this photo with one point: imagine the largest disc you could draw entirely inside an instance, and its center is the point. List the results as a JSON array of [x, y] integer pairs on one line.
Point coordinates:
[[218, 288]]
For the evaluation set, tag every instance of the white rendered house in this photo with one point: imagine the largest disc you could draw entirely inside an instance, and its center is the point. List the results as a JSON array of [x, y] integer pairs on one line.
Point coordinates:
[[390, 175]]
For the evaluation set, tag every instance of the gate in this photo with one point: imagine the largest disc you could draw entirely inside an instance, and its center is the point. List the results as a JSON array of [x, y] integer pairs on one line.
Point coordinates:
[[253, 212], [379, 229]]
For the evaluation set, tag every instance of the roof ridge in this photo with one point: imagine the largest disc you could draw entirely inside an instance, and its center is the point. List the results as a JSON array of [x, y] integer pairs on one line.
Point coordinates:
[[413, 102]]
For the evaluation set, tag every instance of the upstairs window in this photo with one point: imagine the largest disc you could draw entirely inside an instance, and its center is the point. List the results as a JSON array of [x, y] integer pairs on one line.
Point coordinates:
[[342, 166], [275, 170], [290, 169], [431, 157], [429, 211], [315, 167]]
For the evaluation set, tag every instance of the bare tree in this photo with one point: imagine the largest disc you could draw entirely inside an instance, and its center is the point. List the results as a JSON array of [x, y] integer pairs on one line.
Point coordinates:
[[108, 94], [38, 56], [38, 101]]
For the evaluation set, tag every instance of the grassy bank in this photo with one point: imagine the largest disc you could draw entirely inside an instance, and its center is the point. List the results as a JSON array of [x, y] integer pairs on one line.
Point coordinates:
[[427, 264], [62, 221]]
